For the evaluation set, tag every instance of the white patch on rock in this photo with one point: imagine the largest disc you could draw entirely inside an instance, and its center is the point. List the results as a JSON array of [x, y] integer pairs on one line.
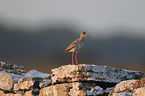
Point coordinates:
[[34, 73]]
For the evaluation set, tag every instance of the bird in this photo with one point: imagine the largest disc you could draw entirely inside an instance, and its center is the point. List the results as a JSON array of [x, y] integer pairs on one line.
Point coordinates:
[[75, 46]]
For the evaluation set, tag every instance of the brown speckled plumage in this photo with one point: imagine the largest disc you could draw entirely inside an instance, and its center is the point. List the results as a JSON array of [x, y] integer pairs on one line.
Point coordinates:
[[75, 46]]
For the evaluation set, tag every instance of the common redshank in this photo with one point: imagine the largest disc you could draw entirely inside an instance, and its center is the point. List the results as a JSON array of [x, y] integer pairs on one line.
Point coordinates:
[[75, 46]]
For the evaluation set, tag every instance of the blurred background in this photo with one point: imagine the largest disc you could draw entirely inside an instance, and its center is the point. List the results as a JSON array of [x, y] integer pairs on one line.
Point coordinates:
[[34, 33]]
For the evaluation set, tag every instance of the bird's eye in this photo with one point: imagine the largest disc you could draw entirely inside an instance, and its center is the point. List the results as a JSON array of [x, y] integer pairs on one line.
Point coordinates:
[[84, 33]]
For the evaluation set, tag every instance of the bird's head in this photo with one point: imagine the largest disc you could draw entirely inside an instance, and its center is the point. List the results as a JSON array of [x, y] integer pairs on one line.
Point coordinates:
[[83, 34]]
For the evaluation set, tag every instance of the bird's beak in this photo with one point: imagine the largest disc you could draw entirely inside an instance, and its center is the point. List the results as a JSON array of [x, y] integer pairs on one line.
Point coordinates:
[[87, 35]]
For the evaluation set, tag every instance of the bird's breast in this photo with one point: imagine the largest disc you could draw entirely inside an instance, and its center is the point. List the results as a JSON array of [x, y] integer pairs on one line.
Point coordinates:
[[79, 46]]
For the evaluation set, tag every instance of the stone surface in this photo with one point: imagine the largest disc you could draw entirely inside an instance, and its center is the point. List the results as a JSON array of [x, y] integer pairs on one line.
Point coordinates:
[[47, 91], [6, 82], [27, 81], [125, 86], [34, 73], [72, 89], [9, 94], [71, 80], [1, 93], [15, 77], [23, 84], [139, 92], [95, 91], [28, 93], [135, 87], [84, 72], [123, 94], [107, 90], [78, 89], [56, 90], [140, 83], [12, 68], [45, 83], [12, 83]]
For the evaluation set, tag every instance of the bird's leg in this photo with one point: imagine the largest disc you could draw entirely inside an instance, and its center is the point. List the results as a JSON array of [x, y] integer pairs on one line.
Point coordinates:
[[73, 58], [1, 64], [76, 58]]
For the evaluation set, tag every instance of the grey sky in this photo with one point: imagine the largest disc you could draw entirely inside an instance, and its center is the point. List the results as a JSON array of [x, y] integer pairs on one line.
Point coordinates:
[[86, 14]]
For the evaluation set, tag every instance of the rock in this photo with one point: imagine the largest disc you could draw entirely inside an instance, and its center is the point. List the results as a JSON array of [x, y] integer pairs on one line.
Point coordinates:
[[27, 81], [84, 72], [45, 78], [28, 93], [107, 90], [72, 89], [95, 91], [125, 86], [1, 93], [34, 73], [23, 84], [12, 68], [15, 77], [16, 71], [78, 89], [45, 83], [30, 83], [9, 94], [36, 87], [12, 84], [56, 90], [71, 80], [6, 82], [47, 91], [132, 86], [85, 89], [123, 94], [139, 92], [140, 83], [61, 89]]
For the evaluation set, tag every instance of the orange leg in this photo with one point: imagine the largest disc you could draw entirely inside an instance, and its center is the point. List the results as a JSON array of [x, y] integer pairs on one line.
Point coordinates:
[[76, 58], [1, 64], [73, 58]]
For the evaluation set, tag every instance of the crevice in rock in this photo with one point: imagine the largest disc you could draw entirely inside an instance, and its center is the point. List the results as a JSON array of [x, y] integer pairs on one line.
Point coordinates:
[[36, 88], [6, 91], [22, 91], [102, 84]]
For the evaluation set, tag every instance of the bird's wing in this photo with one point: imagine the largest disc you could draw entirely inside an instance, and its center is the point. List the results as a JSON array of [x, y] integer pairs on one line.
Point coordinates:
[[72, 45]]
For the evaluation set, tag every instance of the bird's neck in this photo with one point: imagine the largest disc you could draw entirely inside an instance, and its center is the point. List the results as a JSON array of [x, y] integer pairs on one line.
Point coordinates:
[[81, 38]]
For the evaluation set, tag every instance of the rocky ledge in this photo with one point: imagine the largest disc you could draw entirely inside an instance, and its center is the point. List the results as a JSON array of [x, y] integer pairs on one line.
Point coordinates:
[[129, 88], [73, 80]]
